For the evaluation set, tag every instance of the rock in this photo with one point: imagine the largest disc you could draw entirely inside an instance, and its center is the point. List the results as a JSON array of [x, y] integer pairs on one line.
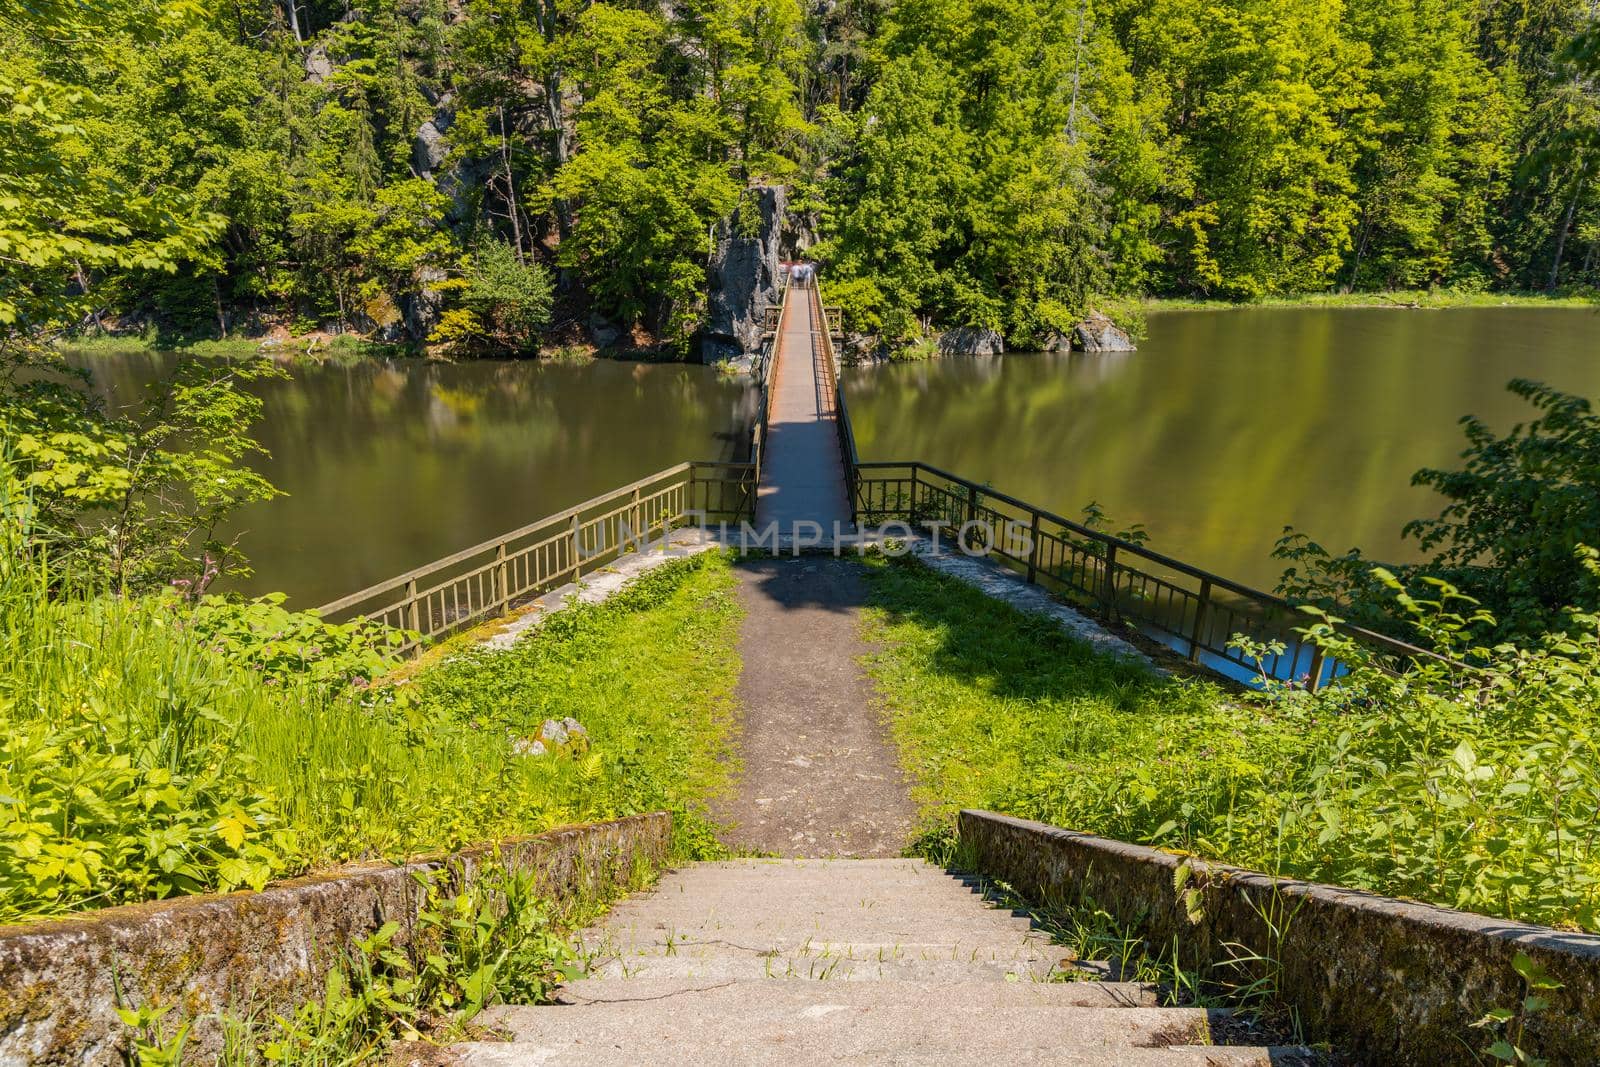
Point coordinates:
[[422, 306], [553, 732], [603, 332], [428, 150], [1054, 341], [744, 275], [526, 746], [318, 66], [574, 727], [971, 341], [862, 348], [1098, 333]]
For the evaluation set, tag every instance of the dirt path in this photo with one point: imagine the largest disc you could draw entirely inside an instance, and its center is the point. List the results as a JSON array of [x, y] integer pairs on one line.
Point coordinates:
[[821, 776]]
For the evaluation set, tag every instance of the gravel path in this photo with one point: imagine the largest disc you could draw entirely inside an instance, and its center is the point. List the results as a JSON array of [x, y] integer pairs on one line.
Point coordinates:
[[821, 777]]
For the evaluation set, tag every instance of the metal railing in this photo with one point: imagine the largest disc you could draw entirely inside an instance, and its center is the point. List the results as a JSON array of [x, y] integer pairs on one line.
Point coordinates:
[[490, 579], [767, 371], [1197, 612], [823, 327]]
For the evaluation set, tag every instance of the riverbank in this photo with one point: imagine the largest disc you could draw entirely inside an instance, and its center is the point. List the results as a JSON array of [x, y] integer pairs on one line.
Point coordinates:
[[1400, 299], [338, 349], [317, 347]]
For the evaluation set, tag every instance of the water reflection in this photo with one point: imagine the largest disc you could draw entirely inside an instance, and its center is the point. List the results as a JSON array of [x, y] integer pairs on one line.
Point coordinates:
[[391, 464], [1225, 426]]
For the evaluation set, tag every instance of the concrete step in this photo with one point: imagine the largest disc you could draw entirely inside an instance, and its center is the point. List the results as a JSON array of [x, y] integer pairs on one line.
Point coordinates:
[[898, 991], [806, 1022], [783, 930], [780, 1053], [748, 968], [964, 950]]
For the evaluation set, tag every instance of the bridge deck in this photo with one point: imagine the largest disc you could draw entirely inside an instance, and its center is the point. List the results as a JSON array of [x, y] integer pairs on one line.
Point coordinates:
[[802, 472]]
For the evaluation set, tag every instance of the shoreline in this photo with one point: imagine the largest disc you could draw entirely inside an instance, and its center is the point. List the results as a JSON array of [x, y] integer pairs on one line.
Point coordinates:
[[1389, 300]]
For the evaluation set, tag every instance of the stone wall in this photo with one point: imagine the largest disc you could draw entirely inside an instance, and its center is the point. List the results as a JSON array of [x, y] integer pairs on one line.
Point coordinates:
[[60, 980], [1388, 981]]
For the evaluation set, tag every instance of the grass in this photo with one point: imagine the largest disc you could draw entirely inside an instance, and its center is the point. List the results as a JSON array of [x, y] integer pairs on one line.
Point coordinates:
[[339, 348], [1394, 298], [137, 762], [1399, 786]]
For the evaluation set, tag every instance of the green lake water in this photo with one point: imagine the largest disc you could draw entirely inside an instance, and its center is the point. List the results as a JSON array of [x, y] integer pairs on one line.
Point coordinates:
[[1226, 426], [1221, 429], [390, 464]]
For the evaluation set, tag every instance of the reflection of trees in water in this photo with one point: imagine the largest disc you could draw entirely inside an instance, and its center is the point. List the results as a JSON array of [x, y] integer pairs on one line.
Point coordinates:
[[391, 463], [1227, 425]]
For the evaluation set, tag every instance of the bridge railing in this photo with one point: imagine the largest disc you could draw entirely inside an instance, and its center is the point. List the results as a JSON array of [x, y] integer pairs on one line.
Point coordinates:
[[827, 317], [491, 578], [1197, 612]]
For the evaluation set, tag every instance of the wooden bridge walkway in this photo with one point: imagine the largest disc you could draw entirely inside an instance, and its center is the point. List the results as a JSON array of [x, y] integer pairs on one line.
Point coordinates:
[[802, 470]]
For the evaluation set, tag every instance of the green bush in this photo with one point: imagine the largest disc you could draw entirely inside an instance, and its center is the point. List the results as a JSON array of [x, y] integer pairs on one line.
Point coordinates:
[[294, 646]]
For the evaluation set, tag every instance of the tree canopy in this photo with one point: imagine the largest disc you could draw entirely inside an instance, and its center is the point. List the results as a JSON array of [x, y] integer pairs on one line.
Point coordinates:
[[956, 162]]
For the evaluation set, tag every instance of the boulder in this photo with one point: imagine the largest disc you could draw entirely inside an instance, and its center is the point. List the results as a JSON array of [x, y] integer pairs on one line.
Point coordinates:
[[1098, 333], [603, 332], [318, 66], [1055, 341], [429, 148], [971, 341], [862, 348], [422, 306], [744, 275], [553, 732]]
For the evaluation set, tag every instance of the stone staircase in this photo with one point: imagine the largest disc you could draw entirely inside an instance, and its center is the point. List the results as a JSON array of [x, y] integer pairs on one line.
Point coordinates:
[[841, 961]]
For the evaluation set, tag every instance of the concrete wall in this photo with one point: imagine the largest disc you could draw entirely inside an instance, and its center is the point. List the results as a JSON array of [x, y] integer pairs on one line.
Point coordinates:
[[59, 980], [1388, 981]]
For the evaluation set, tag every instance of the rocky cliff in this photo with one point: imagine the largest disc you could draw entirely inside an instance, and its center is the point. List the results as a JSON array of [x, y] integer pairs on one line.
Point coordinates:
[[743, 275]]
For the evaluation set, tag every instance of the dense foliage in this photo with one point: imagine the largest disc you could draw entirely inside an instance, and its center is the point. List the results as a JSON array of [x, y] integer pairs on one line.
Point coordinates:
[[1472, 789], [417, 169], [153, 748]]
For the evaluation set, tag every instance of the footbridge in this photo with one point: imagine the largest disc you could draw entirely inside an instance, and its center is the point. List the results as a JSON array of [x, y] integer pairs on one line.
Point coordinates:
[[802, 467], [800, 448]]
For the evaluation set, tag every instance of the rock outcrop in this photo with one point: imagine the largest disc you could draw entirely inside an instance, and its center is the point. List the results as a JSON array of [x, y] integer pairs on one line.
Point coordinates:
[[744, 275], [971, 341], [1098, 333]]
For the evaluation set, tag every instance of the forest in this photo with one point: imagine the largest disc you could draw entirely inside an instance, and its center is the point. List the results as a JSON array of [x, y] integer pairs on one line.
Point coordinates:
[[472, 172]]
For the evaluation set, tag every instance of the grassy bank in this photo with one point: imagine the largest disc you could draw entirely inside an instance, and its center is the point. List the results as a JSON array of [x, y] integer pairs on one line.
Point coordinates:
[[1403, 787], [140, 760], [1426, 299], [340, 347]]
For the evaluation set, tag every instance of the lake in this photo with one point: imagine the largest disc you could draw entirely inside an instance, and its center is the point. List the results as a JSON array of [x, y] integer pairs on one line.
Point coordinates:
[[1226, 426], [389, 464]]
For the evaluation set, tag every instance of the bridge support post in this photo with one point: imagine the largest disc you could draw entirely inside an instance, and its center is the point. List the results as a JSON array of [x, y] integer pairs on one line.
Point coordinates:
[[1315, 681], [1111, 583], [502, 588], [411, 607], [1033, 549], [1201, 609]]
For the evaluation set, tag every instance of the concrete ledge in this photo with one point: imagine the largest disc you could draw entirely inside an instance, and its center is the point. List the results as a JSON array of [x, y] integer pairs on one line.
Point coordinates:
[[1388, 981], [59, 980]]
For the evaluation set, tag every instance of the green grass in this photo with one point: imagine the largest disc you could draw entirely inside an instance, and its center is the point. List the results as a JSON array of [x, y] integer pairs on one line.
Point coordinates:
[[1411, 787], [341, 348], [138, 762], [1396, 298]]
